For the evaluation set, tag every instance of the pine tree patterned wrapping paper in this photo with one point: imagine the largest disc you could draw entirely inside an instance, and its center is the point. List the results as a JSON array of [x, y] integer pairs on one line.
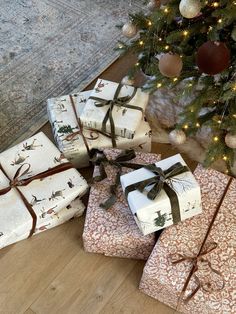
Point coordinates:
[[46, 196], [113, 232], [126, 120], [154, 215], [64, 123], [74, 210], [164, 281]]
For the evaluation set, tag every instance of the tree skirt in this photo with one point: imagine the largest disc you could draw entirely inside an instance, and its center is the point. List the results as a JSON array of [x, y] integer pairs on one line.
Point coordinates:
[[47, 48]]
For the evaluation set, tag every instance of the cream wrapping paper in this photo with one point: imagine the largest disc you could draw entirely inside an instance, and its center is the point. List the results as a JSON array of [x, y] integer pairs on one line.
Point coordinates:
[[126, 120], [47, 196], [75, 209], [63, 121], [164, 281], [153, 215], [113, 232]]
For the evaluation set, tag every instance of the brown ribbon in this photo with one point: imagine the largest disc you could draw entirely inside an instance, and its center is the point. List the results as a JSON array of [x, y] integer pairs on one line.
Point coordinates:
[[94, 134], [16, 182], [199, 257]]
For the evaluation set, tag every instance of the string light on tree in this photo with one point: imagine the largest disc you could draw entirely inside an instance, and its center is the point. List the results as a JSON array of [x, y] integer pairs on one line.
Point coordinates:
[[190, 8], [129, 30]]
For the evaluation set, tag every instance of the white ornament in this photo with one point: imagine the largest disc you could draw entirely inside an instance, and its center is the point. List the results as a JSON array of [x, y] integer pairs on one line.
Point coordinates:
[[230, 140], [189, 8], [127, 81], [129, 30], [177, 137]]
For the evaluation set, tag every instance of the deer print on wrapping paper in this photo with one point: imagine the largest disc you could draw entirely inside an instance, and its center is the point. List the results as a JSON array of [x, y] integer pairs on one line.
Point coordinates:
[[42, 228], [100, 86], [59, 159], [31, 146], [70, 184], [56, 195], [35, 200], [1, 234], [191, 206], [50, 211], [60, 107], [161, 220], [19, 160]]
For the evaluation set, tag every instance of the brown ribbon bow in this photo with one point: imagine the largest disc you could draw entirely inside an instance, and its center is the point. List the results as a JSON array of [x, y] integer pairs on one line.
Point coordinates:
[[178, 258], [16, 182]]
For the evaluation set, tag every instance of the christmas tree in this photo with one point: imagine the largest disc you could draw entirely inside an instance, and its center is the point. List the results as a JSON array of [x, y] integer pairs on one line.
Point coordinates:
[[191, 42]]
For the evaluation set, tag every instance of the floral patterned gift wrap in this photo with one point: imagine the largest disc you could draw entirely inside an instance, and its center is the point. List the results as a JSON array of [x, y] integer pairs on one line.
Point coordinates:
[[162, 194], [192, 267], [113, 232], [76, 141], [115, 108], [75, 209], [36, 182]]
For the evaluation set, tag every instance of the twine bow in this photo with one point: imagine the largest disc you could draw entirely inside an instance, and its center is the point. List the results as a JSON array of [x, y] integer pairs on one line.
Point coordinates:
[[194, 260], [161, 181], [18, 181], [111, 103], [120, 161]]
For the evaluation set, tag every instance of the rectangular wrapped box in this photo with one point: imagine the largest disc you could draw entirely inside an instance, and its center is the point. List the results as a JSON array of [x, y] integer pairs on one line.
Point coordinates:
[[36, 182], [179, 198], [126, 119], [70, 140], [75, 209], [113, 232], [177, 251]]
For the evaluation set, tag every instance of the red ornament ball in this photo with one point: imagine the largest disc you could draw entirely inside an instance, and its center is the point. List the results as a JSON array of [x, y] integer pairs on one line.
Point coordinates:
[[213, 57]]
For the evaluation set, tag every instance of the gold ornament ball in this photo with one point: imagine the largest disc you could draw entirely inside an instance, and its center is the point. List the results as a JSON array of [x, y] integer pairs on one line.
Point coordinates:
[[230, 140], [170, 65], [189, 8], [129, 30], [177, 137], [127, 81]]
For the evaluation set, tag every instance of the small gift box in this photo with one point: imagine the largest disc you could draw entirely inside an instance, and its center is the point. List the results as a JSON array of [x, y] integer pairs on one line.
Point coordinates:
[[192, 267], [76, 141], [162, 194], [36, 182], [114, 108], [75, 209], [113, 232]]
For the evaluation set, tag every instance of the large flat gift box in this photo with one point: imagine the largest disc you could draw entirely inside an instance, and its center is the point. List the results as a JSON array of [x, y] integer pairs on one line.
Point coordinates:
[[176, 194], [76, 141], [113, 232], [36, 183], [192, 267], [73, 210], [126, 108]]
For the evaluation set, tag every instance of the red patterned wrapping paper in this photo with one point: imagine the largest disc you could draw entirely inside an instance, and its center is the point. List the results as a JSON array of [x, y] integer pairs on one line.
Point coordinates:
[[114, 232], [164, 281]]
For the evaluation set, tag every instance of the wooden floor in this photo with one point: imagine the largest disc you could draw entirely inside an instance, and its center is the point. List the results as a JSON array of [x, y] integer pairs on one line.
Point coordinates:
[[51, 273]]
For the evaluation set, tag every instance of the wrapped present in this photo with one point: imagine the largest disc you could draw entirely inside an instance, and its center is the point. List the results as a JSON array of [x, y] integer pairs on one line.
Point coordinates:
[[76, 141], [36, 182], [192, 267], [162, 194], [114, 108], [113, 232], [75, 209]]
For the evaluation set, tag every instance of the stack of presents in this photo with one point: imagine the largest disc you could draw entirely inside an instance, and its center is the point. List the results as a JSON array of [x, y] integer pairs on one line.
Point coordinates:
[[139, 207]]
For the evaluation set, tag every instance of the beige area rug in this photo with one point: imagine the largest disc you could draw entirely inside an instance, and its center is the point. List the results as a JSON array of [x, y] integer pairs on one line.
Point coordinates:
[[49, 48]]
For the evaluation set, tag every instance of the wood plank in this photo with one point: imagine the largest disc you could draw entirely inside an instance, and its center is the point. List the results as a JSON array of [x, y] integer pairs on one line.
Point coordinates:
[[85, 285], [29, 266], [129, 300]]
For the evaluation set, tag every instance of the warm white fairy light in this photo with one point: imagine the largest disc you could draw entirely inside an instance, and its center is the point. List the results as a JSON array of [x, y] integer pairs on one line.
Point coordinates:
[[175, 79], [166, 10], [185, 126], [219, 21], [159, 85], [149, 23], [215, 138], [185, 33], [198, 125], [215, 4], [167, 47], [141, 43]]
